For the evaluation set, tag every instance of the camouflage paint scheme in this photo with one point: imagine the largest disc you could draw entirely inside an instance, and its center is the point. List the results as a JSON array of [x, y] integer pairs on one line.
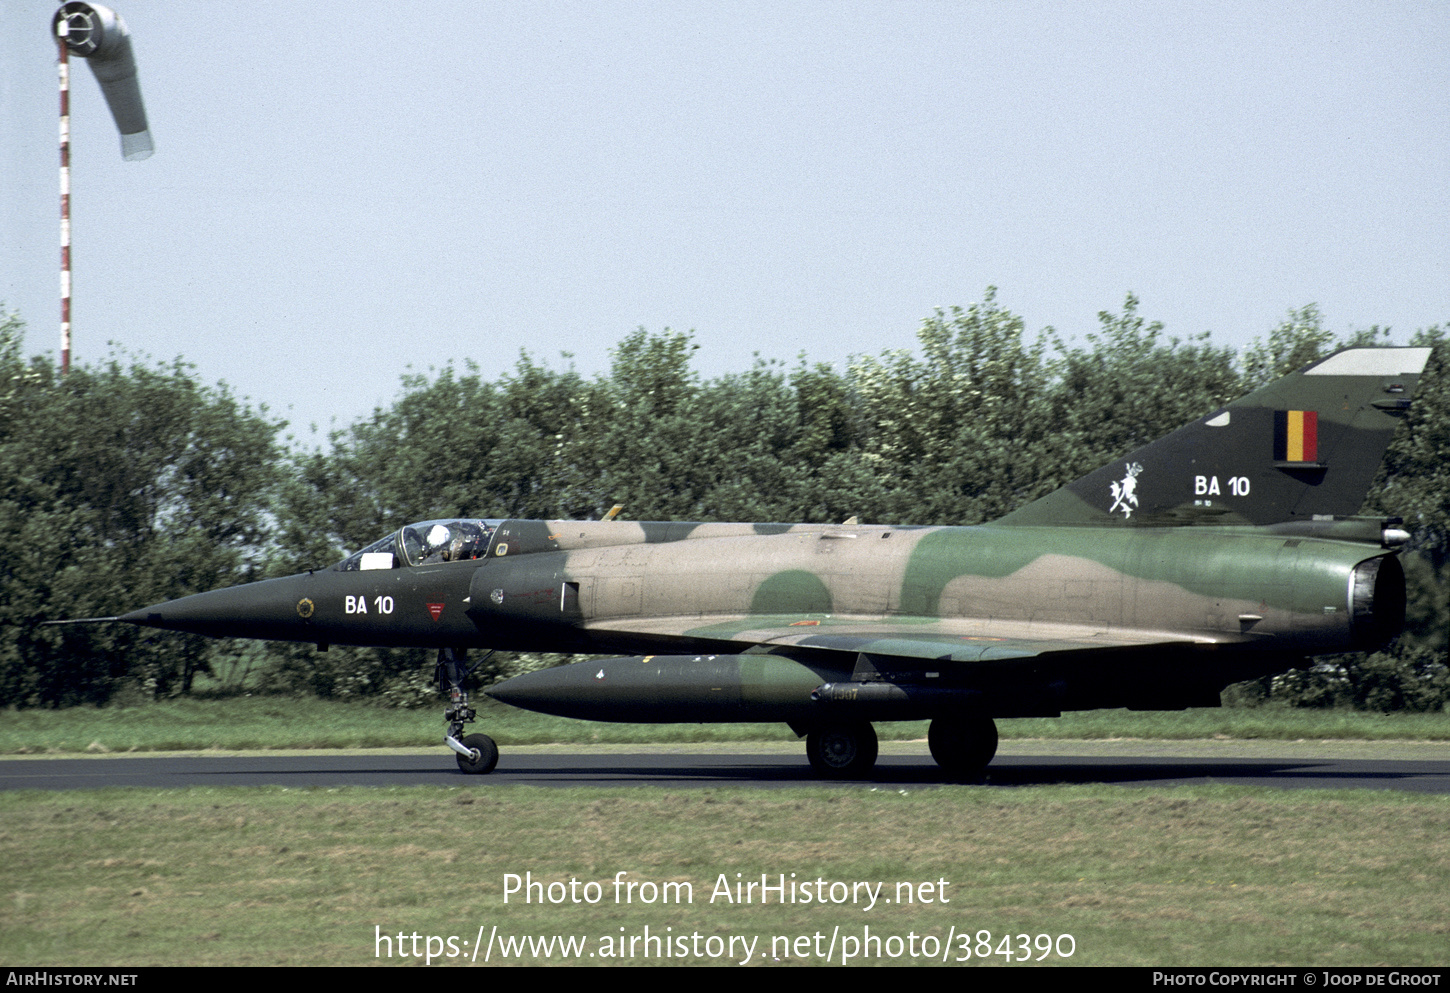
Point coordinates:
[[1226, 550]]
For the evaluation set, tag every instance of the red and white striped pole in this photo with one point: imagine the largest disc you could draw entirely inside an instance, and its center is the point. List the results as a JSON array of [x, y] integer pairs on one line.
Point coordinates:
[[64, 208], [100, 37]]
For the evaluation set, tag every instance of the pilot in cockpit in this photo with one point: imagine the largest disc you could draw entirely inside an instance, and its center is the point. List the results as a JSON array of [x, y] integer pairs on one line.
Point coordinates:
[[468, 542]]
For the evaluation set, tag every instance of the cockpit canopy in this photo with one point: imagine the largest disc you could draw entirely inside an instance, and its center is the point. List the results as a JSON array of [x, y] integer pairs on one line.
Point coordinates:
[[455, 540]]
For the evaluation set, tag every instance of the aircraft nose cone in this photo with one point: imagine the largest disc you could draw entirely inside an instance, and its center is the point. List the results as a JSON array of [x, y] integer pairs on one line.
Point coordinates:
[[274, 608]]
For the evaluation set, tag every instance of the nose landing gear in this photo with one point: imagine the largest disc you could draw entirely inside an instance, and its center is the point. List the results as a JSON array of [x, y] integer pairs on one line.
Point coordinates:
[[477, 753]]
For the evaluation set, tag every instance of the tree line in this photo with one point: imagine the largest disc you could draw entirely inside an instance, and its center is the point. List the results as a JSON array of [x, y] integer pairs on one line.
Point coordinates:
[[127, 483]]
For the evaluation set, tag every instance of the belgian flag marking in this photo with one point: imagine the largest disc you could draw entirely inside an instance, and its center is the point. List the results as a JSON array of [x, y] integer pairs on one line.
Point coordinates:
[[1296, 436]]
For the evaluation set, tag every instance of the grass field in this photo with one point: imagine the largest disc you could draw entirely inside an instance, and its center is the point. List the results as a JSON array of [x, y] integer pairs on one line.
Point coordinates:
[[1189, 876]]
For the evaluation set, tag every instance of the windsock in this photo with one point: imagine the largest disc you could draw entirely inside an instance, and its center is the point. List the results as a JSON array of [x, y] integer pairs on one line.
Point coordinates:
[[98, 35]]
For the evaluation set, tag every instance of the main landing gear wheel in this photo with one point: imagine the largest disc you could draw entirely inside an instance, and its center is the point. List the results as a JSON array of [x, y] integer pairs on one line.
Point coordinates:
[[962, 746], [485, 755], [842, 751]]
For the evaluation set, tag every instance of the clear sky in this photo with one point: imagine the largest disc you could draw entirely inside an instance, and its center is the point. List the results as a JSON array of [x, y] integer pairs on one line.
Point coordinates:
[[342, 191]]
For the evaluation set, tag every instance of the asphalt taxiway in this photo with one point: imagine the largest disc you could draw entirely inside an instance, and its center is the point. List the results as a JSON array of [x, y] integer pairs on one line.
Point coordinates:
[[1412, 767]]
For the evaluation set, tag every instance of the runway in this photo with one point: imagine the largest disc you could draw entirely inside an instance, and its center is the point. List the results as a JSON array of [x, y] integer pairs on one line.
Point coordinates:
[[1425, 769]]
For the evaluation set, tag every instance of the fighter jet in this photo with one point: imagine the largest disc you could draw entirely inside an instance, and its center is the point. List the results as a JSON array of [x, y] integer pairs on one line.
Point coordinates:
[[1225, 551]]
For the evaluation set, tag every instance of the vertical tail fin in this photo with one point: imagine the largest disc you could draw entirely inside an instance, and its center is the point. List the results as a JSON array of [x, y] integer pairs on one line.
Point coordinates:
[[1306, 446]]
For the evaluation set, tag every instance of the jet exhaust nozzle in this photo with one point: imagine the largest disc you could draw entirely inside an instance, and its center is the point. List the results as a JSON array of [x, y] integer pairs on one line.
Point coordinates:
[[1377, 602], [99, 35]]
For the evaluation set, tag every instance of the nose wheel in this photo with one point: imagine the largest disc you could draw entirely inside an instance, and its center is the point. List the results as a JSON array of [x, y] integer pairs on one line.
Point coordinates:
[[482, 755]]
